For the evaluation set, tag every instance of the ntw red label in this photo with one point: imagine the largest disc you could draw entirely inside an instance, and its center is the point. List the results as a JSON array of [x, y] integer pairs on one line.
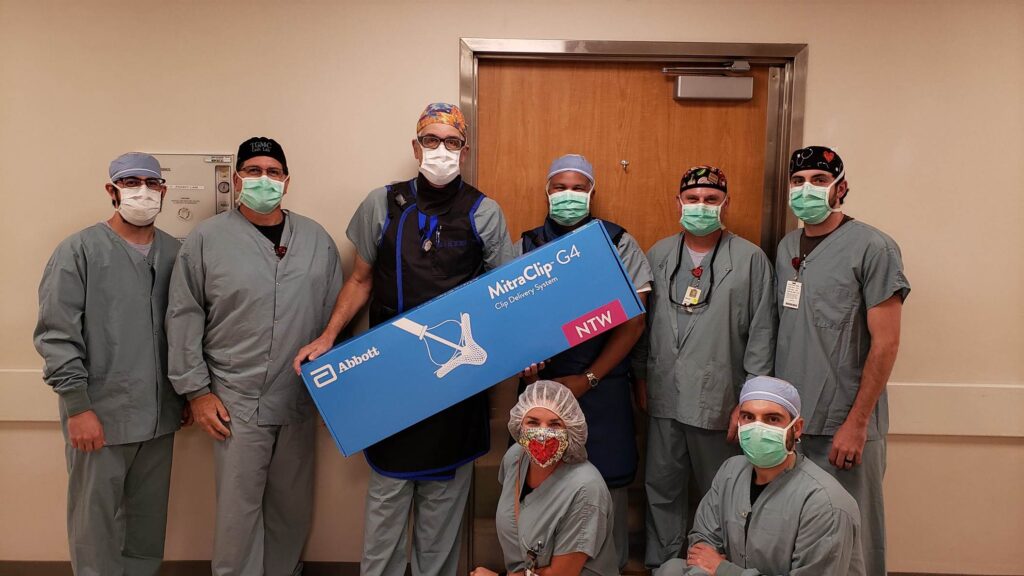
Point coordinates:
[[594, 322]]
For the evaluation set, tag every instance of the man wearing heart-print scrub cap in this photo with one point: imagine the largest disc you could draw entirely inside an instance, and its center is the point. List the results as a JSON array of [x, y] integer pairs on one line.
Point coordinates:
[[555, 512], [840, 290]]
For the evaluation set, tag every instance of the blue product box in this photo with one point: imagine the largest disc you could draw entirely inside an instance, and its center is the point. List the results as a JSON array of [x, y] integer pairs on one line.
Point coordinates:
[[470, 338]]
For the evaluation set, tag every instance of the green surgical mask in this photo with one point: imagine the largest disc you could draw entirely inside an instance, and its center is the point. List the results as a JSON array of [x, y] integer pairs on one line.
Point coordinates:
[[701, 219], [810, 203], [569, 206], [261, 194], [764, 445]]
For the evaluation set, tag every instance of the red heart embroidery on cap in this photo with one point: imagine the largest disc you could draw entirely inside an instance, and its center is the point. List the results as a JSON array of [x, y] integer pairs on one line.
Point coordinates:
[[543, 452], [829, 155]]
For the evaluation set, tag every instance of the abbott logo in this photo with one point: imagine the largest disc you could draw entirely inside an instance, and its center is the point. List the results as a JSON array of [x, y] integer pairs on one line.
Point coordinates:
[[323, 375]]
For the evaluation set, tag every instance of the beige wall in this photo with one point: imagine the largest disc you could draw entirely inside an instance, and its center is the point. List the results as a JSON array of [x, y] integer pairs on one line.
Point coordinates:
[[925, 101]]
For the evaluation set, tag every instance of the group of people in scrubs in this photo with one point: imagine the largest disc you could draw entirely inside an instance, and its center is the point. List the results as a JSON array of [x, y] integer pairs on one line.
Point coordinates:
[[767, 385]]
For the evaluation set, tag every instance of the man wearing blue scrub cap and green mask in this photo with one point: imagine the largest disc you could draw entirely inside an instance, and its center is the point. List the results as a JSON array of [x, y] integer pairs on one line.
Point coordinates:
[[711, 326], [598, 370], [841, 289], [250, 286], [797, 519]]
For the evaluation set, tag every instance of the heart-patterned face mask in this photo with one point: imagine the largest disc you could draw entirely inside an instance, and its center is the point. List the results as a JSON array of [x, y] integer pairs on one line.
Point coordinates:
[[545, 445]]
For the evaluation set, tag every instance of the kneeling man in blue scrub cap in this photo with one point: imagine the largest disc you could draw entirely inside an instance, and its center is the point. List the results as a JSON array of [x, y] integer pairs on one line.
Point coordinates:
[[772, 511]]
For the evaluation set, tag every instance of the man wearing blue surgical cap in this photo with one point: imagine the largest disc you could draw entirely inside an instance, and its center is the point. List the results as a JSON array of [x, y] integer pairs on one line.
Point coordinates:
[[598, 370], [100, 332], [772, 511]]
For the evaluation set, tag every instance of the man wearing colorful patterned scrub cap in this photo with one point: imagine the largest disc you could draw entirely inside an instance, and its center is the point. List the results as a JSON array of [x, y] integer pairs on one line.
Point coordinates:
[[710, 327], [432, 233], [841, 289]]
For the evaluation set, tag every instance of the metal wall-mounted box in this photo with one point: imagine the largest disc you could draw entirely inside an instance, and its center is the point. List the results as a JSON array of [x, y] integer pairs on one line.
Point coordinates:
[[714, 87], [198, 187]]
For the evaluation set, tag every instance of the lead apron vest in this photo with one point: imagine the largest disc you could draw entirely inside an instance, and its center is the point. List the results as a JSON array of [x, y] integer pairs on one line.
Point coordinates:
[[611, 443], [406, 275]]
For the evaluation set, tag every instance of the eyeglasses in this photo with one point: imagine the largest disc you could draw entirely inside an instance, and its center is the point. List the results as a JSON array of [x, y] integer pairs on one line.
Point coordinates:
[[431, 142], [256, 172], [131, 182]]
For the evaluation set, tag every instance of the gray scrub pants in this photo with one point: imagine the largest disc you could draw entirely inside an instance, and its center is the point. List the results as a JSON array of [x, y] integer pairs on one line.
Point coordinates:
[[674, 450], [117, 507], [864, 483], [437, 510], [264, 498], [620, 526]]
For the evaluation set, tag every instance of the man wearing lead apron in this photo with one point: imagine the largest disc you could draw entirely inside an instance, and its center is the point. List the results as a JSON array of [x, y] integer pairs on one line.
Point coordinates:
[[250, 287], [597, 371], [415, 240], [711, 326], [102, 301], [841, 290]]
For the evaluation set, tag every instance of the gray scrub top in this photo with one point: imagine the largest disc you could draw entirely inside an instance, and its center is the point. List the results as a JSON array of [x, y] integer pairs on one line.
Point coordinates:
[[238, 314], [632, 258], [803, 523], [822, 345], [101, 333], [367, 225], [571, 511], [696, 362]]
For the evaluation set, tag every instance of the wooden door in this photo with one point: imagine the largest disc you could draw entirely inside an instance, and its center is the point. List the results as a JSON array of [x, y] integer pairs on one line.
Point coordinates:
[[530, 112]]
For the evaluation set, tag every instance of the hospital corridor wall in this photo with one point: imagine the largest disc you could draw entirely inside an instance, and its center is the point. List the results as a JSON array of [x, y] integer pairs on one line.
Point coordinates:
[[924, 100]]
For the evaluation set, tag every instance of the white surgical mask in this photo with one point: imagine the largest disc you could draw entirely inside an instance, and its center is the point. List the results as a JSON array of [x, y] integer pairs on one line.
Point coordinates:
[[440, 165], [139, 206]]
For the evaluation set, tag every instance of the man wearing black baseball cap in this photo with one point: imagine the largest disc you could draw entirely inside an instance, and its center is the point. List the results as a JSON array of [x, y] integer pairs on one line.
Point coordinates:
[[249, 288], [841, 289]]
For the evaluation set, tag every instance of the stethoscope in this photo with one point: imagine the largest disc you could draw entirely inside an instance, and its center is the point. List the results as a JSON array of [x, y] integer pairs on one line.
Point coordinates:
[[711, 279]]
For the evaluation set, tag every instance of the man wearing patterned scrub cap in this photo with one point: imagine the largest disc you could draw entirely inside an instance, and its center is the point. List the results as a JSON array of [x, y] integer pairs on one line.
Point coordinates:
[[711, 326], [841, 289]]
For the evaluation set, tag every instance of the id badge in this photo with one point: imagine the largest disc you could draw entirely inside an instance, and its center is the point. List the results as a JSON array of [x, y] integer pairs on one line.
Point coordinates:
[[692, 296], [792, 297]]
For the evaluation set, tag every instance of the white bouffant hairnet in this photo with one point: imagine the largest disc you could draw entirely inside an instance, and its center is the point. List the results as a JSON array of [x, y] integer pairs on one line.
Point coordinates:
[[559, 399]]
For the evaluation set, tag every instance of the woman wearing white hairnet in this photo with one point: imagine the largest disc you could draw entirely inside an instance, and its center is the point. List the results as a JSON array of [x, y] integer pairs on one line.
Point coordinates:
[[555, 513]]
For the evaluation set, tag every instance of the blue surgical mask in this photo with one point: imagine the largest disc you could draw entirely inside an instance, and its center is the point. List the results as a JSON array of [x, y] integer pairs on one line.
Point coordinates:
[[764, 445], [261, 194]]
